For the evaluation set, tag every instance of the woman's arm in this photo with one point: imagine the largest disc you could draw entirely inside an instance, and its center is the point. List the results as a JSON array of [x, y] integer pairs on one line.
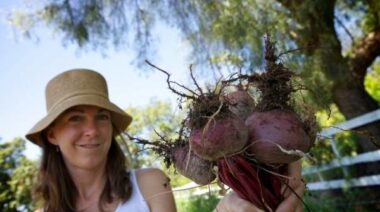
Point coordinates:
[[233, 203], [155, 187]]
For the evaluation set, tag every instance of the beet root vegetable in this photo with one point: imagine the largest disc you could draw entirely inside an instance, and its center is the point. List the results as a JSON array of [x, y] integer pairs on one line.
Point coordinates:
[[277, 137], [219, 138], [195, 168], [257, 186], [240, 103]]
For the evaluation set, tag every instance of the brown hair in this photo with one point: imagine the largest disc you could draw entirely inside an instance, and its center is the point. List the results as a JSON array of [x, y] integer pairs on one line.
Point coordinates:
[[57, 190]]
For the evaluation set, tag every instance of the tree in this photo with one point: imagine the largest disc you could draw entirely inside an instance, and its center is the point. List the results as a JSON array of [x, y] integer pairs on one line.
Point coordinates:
[[22, 183], [338, 41], [16, 177]]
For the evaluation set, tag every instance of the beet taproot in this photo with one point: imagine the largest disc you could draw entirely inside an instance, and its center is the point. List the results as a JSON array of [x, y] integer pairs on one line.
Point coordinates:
[[220, 138], [240, 103], [276, 137], [193, 167]]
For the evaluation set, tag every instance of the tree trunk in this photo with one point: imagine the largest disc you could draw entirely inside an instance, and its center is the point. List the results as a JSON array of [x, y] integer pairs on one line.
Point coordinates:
[[354, 101], [346, 73]]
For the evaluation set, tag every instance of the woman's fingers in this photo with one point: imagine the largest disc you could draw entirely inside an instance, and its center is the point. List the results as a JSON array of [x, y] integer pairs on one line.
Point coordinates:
[[233, 203], [295, 178], [293, 195], [293, 201]]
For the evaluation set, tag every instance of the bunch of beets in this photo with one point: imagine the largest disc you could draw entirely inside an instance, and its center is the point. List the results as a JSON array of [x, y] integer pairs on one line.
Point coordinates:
[[243, 142]]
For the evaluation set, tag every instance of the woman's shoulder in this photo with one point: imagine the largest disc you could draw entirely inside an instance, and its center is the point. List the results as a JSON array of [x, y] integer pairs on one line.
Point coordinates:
[[150, 173], [152, 178], [155, 187]]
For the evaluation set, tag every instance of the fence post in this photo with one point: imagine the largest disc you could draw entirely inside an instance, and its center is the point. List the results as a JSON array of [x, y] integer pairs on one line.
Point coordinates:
[[337, 155]]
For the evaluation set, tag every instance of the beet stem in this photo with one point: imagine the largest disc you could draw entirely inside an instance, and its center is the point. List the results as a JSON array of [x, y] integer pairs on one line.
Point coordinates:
[[261, 192], [188, 158]]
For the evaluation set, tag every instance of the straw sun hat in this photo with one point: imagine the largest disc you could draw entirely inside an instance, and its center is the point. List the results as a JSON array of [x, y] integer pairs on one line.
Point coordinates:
[[77, 87]]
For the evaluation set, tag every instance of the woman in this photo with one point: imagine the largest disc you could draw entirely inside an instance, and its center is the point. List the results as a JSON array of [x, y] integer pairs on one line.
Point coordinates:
[[83, 167]]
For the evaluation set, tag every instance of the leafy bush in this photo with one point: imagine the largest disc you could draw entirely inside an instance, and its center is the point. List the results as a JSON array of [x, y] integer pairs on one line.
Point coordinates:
[[204, 203], [351, 200]]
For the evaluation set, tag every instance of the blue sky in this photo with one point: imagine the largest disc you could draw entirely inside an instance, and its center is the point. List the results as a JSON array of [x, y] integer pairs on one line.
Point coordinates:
[[26, 66]]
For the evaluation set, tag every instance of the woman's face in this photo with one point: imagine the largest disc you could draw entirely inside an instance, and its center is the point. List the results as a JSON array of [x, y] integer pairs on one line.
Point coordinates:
[[83, 135]]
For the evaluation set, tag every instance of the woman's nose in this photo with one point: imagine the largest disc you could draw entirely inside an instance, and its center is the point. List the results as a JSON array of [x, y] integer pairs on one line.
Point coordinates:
[[90, 128]]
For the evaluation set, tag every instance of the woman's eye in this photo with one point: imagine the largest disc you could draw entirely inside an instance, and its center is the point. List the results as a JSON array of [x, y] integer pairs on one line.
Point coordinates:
[[103, 117], [74, 118]]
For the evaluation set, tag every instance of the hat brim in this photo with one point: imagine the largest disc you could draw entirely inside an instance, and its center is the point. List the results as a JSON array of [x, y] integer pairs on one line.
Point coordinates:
[[120, 119]]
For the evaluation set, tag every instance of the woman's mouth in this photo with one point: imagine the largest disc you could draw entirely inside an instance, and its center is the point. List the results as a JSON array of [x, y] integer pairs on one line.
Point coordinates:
[[89, 146]]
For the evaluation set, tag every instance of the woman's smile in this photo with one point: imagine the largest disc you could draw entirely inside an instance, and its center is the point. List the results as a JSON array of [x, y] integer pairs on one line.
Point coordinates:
[[89, 146]]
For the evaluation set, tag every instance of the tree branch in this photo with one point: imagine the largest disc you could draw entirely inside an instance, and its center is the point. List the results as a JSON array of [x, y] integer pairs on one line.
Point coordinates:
[[364, 53]]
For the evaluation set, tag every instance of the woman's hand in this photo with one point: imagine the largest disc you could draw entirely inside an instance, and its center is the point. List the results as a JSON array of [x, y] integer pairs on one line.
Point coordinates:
[[233, 203], [292, 201]]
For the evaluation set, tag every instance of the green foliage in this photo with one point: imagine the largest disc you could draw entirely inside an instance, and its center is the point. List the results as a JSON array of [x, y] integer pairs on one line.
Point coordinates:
[[371, 82], [322, 148], [196, 203], [354, 199], [371, 20], [16, 177], [22, 180], [345, 141], [176, 179], [157, 118]]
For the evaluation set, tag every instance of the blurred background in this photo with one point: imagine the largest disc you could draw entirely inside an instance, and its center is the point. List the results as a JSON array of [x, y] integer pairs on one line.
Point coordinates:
[[332, 46]]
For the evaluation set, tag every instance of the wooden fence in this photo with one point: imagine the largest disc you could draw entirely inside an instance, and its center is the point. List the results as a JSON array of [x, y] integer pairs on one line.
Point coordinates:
[[343, 162]]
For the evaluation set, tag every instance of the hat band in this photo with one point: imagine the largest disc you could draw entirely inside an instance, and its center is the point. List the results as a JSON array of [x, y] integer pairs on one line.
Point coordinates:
[[52, 108]]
